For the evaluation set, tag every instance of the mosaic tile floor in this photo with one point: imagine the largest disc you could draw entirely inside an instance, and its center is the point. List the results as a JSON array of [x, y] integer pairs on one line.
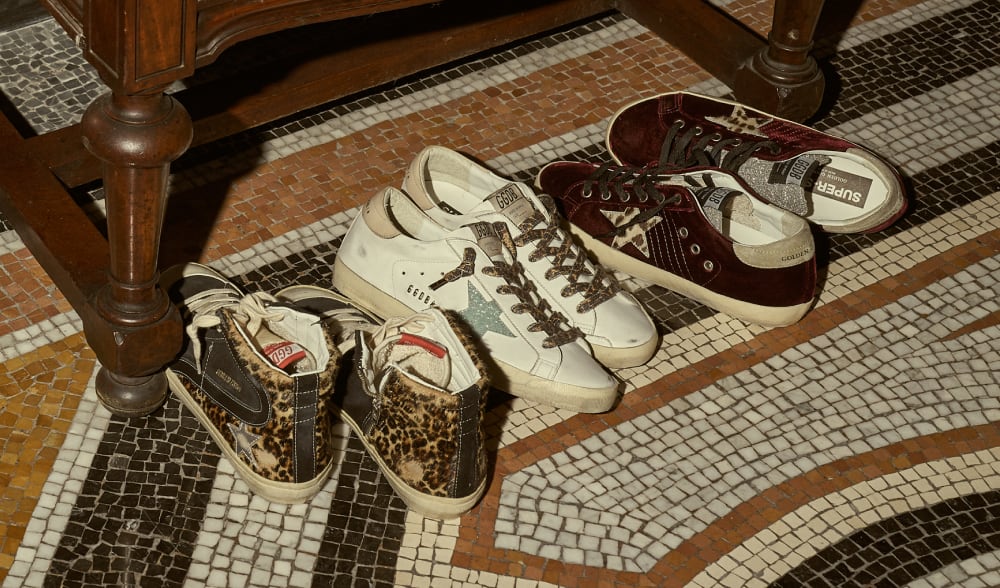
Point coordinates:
[[860, 447]]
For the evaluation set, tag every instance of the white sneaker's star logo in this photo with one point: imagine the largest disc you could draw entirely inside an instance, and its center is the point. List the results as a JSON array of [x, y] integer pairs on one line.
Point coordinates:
[[741, 121], [244, 441], [484, 315], [634, 234]]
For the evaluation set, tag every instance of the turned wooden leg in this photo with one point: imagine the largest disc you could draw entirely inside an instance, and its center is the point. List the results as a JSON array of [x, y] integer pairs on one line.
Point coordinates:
[[783, 78], [131, 324]]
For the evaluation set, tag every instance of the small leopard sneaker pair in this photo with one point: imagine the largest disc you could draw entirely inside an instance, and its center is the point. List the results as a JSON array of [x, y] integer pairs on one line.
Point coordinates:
[[834, 183], [414, 392], [258, 374], [701, 233], [395, 260], [455, 191]]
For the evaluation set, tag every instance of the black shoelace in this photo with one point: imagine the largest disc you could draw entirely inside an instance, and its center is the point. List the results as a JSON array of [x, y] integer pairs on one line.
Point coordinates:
[[625, 182], [692, 148]]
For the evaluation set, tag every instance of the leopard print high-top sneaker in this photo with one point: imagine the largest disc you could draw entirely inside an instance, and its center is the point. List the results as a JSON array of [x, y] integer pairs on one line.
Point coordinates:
[[258, 374], [414, 391]]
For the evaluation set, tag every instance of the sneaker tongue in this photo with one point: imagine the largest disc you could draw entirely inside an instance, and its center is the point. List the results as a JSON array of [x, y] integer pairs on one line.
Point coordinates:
[[283, 354], [512, 202], [485, 235], [784, 183], [423, 358], [800, 171], [713, 197], [419, 358]]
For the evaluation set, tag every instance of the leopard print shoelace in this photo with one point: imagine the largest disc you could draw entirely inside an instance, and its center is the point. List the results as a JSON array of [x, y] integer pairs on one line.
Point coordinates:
[[516, 282], [567, 260], [624, 183]]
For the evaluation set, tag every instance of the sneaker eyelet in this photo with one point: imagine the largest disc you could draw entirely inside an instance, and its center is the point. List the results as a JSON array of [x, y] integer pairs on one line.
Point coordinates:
[[695, 248], [605, 197], [708, 265], [698, 130], [587, 193], [683, 232]]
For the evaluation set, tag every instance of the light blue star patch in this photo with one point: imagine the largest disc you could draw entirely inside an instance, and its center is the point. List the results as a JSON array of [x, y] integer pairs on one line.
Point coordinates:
[[484, 315]]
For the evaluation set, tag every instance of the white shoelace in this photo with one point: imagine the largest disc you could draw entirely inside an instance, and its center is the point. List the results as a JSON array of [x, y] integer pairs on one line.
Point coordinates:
[[205, 305]]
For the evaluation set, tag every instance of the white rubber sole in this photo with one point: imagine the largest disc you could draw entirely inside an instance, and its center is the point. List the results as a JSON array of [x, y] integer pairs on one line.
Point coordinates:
[[502, 375], [768, 316], [281, 492], [624, 357]]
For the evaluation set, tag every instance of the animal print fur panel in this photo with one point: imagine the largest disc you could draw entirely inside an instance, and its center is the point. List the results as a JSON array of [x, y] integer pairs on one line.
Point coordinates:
[[431, 439], [277, 453]]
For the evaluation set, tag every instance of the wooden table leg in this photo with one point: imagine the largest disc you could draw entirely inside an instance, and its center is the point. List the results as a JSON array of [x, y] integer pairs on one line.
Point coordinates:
[[132, 327], [779, 76], [783, 77]]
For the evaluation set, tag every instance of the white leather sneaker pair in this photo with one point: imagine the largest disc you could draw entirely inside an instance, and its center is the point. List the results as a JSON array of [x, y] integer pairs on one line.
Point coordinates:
[[463, 238]]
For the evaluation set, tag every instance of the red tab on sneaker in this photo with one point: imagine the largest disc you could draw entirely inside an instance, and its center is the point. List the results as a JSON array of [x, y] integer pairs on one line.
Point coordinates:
[[425, 344], [284, 353]]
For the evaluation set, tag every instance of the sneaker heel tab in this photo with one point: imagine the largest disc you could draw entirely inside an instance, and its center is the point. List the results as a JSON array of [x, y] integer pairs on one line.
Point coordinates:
[[376, 213]]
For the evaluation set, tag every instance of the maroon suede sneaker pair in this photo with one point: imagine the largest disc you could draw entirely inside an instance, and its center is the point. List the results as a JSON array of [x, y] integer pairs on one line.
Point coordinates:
[[711, 199], [831, 182]]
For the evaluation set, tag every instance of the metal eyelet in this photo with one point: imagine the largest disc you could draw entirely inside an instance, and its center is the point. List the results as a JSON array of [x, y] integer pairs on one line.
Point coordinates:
[[605, 196], [695, 248], [708, 265], [698, 131], [683, 232], [587, 193]]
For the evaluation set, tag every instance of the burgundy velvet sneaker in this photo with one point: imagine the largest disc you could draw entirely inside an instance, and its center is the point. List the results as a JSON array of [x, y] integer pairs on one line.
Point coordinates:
[[701, 233], [834, 183]]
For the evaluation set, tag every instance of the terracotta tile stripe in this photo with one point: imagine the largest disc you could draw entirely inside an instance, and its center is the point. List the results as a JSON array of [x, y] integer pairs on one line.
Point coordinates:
[[29, 296], [977, 325], [39, 394], [691, 556], [341, 174]]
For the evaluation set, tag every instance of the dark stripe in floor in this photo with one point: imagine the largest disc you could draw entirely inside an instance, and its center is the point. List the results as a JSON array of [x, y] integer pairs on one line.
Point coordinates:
[[139, 511], [903, 548]]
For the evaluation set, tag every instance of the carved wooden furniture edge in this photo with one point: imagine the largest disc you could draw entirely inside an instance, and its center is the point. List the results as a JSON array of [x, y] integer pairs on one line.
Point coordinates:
[[223, 23]]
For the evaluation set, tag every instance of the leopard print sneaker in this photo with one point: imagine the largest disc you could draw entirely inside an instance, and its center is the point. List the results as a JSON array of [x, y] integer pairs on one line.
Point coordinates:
[[414, 391], [257, 373]]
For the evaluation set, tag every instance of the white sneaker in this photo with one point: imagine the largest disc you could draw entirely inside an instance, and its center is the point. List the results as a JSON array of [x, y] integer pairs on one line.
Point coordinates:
[[395, 260], [455, 191]]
